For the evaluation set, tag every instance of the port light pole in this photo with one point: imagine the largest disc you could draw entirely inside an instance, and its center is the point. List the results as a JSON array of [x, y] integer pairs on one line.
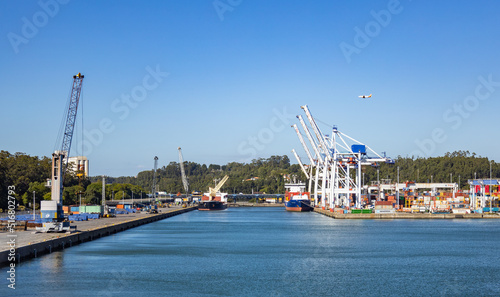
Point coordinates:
[[33, 205]]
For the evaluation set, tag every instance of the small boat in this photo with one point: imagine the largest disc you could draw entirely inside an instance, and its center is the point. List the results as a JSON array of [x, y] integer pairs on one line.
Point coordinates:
[[298, 201], [212, 205]]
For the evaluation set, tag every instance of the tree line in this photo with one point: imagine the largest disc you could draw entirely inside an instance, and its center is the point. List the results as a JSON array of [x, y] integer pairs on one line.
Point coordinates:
[[265, 175]]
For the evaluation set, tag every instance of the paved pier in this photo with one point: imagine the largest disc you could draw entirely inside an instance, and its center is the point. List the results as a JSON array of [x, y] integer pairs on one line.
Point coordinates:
[[29, 244], [403, 215]]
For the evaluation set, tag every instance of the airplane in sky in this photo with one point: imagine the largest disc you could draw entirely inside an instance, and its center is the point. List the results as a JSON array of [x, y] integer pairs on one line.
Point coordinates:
[[364, 96]]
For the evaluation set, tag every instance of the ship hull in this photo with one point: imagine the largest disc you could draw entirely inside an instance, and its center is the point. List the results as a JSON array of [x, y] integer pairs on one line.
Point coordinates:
[[298, 205], [212, 205]]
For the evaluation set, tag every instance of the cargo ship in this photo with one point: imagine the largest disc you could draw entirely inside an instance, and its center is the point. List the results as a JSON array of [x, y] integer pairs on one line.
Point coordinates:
[[298, 201], [214, 200]]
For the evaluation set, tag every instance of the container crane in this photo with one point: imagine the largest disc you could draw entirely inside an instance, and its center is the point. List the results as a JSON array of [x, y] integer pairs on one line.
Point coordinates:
[[339, 160], [52, 209], [183, 173]]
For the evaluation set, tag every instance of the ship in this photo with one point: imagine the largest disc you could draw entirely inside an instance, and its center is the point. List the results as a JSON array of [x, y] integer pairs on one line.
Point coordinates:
[[298, 201], [214, 200], [296, 197]]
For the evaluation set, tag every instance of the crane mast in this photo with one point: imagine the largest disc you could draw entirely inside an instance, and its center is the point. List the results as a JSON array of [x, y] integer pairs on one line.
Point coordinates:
[[183, 172], [153, 190]]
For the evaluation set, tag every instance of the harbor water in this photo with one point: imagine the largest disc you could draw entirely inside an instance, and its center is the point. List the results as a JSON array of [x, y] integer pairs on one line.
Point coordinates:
[[266, 251]]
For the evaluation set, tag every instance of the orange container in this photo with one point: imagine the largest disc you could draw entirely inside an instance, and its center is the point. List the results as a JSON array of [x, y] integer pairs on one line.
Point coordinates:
[[120, 206], [76, 212]]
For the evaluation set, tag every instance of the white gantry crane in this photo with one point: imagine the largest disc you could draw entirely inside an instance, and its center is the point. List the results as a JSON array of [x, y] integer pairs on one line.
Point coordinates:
[[183, 173], [337, 164]]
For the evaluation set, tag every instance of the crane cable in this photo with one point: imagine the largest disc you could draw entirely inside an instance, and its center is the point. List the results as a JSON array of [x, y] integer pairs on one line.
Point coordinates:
[[58, 143]]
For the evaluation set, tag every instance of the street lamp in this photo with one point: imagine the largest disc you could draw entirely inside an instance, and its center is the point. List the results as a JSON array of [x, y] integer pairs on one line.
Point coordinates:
[[33, 205], [397, 189]]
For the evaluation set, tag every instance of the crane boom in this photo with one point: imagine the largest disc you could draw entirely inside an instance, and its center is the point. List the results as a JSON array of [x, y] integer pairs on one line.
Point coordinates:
[[76, 90], [317, 131], [300, 163], [311, 140], [213, 191], [183, 172], [303, 144]]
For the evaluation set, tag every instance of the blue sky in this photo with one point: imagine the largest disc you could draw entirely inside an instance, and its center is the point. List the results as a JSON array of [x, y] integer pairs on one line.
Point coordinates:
[[210, 76]]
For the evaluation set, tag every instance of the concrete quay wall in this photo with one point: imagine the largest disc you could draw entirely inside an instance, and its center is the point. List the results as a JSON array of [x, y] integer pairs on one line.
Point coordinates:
[[412, 216], [66, 240]]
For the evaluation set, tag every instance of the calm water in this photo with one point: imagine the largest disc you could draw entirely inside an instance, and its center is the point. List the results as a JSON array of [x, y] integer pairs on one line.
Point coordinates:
[[271, 252]]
